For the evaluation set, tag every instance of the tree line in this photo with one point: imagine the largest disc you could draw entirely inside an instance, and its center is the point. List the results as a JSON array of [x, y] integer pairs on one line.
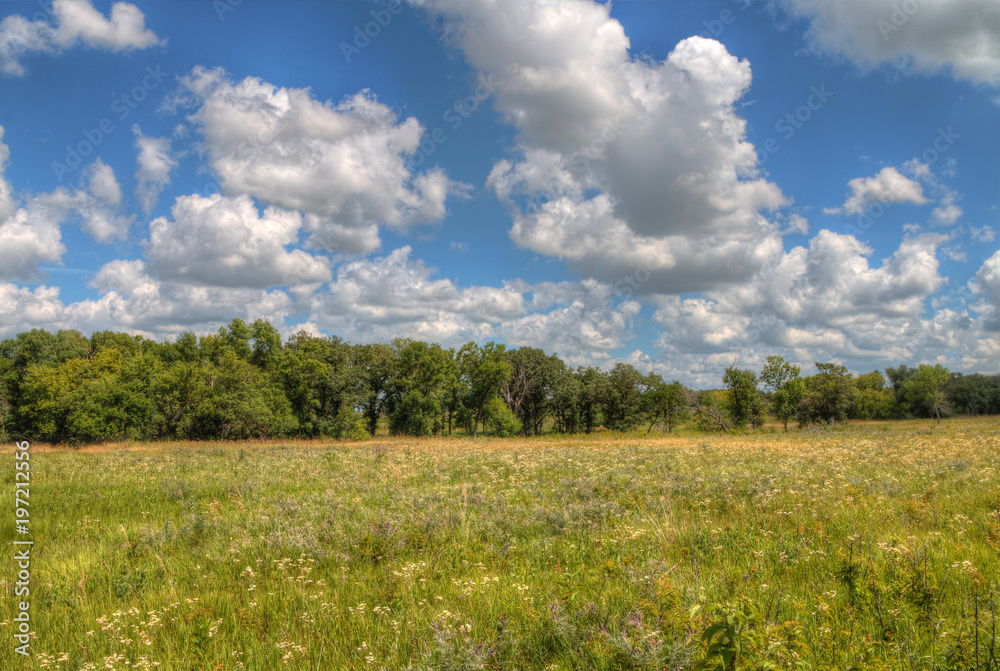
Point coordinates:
[[244, 382]]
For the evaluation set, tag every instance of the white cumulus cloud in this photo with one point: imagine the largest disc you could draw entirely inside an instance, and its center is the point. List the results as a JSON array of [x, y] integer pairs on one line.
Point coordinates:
[[626, 163], [224, 242], [888, 186], [911, 35], [341, 164], [72, 22], [155, 165]]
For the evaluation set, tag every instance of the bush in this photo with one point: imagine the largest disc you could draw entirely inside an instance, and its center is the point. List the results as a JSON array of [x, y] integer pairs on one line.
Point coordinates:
[[499, 420]]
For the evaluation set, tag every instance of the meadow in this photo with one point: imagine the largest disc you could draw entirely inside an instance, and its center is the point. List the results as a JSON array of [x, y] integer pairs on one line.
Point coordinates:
[[868, 546]]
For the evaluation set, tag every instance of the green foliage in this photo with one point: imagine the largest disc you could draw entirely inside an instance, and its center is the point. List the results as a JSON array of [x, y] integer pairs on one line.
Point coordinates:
[[415, 415], [662, 402], [974, 394], [529, 390], [742, 401], [924, 391], [873, 399], [828, 395], [781, 380], [623, 399], [483, 372], [499, 420]]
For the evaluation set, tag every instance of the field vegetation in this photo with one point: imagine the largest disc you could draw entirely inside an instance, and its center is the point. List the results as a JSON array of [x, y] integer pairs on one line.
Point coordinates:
[[869, 546]]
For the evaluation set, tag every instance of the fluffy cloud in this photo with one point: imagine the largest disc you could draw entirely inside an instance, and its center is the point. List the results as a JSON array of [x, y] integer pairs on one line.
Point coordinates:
[[224, 242], [29, 237], [7, 205], [97, 205], [888, 186], [70, 22], [155, 165], [912, 35], [134, 300], [827, 301], [31, 234], [986, 287], [626, 163], [343, 165], [398, 296]]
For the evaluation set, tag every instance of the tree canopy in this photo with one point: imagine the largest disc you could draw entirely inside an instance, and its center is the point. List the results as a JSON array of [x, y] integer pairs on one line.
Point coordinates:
[[244, 381]]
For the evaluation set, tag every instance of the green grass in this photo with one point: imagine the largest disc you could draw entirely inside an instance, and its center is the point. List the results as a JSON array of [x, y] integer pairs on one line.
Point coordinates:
[[873, 546]]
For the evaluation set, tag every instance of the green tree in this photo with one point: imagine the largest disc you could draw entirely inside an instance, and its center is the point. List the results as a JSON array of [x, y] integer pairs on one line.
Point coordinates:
[[781, 380], [742, 401], [662, 402], [265, 344], [828, 395], [484, 370], [318, 379], [372, 374], [528, 391], [873, 399], [592, 396], [924, 391], [623, 401], [499, 420], [242, 402], [898, 378], [417, 385], [975, 394], [566, 391]]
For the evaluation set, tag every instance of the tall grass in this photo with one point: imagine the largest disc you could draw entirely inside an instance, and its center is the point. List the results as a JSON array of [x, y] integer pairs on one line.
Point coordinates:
[[872, 547]]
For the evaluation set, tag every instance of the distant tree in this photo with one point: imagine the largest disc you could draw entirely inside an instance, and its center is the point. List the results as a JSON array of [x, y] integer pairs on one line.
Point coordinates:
[[710, 412], [898, 378], [372, 375], [528, 391], [873, 399], [742, 401], [828, 395], [781, 380], [414, 414], [593, 392], [265, 344], [924, 391], [499, 420], [420, 374], [317, 376], [622, 404], [975, 394], [664, 402], [566, 392], [241, 402], [484, 370]]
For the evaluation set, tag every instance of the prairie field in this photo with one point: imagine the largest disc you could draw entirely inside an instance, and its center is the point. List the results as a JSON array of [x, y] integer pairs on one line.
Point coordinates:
[[868, 546]]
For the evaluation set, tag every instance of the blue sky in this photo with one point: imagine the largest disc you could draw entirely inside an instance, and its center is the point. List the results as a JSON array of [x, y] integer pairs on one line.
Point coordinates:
[[678, 185]]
